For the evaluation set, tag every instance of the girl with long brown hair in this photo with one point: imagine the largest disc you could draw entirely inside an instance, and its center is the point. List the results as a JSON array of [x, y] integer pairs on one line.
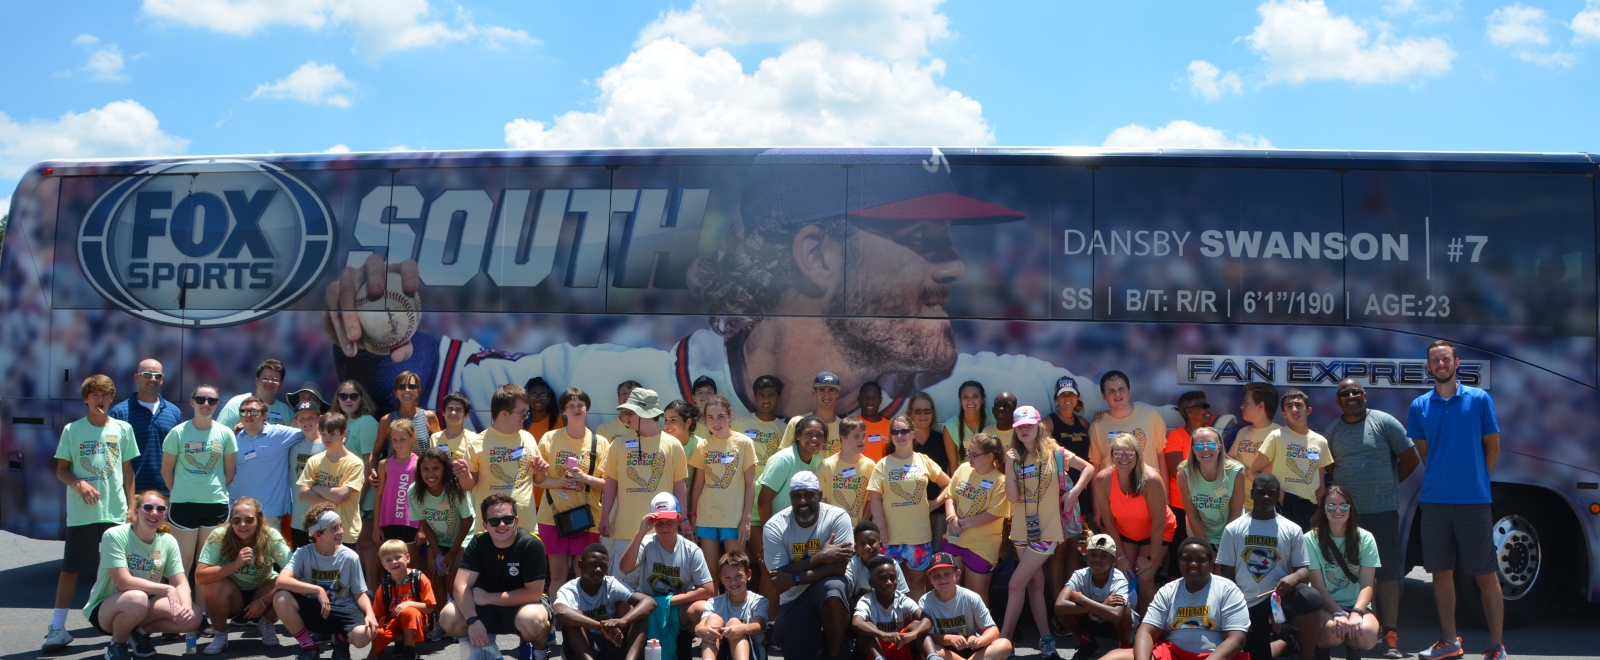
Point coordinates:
[[1344, 563], [236, 573]]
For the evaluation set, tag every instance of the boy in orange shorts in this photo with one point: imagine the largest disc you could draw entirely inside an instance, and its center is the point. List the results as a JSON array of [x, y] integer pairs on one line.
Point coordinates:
[[405, 599]]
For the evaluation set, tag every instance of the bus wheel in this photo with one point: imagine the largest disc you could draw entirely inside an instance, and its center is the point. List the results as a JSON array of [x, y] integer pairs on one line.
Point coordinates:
[[1526, 544]]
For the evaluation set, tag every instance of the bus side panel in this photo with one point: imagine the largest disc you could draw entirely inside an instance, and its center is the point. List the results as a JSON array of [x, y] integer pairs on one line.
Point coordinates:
[[30, 494], [27, 264]]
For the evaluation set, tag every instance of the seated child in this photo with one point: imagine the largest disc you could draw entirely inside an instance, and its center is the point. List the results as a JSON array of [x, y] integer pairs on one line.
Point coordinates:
[[1098, 601], [889, 625], [868, 546], [603, 617], [962, 626], [405, 599], [731, 624]]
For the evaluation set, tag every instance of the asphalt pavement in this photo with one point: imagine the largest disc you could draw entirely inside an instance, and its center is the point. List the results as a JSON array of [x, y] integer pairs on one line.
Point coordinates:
[[28, 570]]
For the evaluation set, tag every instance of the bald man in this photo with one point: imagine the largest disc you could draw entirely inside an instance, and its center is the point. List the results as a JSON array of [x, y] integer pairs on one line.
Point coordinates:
[[151, 418]]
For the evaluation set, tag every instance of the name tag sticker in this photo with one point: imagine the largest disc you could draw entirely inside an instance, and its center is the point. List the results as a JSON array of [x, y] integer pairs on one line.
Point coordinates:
[[444, 447], [631, 444], [848, 473], [561, 494], [874, 438], [1314, 455], [752, 433], [911, 469], [1027, 470], [727, 459], [986, 484], [249, 455], [519, 452], [197, 446], [1221, 490], [1111, 435]]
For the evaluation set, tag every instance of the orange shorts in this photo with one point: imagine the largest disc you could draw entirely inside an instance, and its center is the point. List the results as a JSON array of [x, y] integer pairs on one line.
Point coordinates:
[[409, 618], [1170, 651]]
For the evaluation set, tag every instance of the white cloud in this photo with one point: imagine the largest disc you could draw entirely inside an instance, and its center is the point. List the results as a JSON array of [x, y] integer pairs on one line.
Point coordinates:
[[340, 148], [317, 84], [1209, 82], [1301, 40], [380, 27], [1586, 25], [1559, 58], [896, 29], [1423, 11], [105, 62], [1182, 134], [85, 40], [1517, 24], [121, 128], [398, 147]]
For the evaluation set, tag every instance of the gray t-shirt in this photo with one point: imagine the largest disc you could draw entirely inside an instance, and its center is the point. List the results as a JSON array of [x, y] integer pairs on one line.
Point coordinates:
[[1261, 552], [893, 618], [600, 606], [1198, 621], [1082, 581], [1368, 454], [786, 542], [671, 572], [964, 615], [860, 578], [339, 575], [755, 605]]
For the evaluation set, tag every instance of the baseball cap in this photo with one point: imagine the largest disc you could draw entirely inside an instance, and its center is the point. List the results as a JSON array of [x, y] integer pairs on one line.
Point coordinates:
[[826, 379], [665, 506], [804, 480], [1025, 416], [1102, 543], [642, 402], [307, 406], [1066, 384], [703, 381], [942, 560], [792, 186]]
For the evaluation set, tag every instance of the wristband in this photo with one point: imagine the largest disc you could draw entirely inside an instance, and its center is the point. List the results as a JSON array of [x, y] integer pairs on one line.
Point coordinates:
[[472, 619]]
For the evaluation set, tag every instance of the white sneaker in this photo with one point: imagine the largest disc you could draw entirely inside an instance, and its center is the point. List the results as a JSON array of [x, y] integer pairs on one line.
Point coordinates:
[[218, 644], [55, 639], [269, 637]]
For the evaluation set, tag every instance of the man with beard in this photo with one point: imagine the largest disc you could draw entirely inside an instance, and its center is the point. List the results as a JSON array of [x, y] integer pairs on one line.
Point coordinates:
[[808, 551], [811, 221]]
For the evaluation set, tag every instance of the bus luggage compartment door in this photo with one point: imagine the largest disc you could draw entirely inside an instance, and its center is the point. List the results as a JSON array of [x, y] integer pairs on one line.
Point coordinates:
[[30, 495]]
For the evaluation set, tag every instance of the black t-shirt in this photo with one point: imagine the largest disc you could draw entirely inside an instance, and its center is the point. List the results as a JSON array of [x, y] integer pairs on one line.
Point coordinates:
[[934, 448], [1073, 434], [509, 568]]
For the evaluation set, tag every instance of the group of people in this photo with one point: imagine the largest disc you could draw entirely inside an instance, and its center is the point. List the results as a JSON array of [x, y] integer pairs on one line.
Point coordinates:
[[881, 532]]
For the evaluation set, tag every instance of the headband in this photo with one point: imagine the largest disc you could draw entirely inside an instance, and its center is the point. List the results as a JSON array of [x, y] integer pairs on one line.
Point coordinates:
[[326, 520]]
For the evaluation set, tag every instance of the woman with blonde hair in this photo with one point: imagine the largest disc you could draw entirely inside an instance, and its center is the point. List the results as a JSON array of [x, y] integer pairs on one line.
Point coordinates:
[[141, 587], [1132, 503], [235, 572], [1211, 485]]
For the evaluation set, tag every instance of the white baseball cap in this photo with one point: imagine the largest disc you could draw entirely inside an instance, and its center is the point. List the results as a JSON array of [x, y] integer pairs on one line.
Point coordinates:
[[664, 506]]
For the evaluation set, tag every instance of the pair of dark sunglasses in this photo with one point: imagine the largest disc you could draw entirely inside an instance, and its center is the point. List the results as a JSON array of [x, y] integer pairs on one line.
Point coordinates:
[[156, 508], [204, 400], [501, 521], [404, 386], [244, 520], [349, 396]]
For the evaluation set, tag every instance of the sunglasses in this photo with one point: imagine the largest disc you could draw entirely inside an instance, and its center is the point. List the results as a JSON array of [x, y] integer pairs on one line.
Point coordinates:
[[1337, 508], [244, 520], [501, 521], [249, 413], [151, 375], [1199, 406], [1351, 393], [1124, 454], [205, 400], [1209, 445], [899, 431], [156, 508], [349, 396], [270, 379], [406, 386]]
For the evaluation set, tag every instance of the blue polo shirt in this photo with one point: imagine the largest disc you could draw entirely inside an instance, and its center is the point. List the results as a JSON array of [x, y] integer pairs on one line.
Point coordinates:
[[150, 429], [261, 468], [1454, 430]]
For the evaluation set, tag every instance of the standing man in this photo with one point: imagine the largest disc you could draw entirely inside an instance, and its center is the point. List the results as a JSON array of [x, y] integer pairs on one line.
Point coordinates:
[[825, 390], [808, 549], [262, 461], [269, 379], [1374, 457], [638, 468], [613, 428], [1456, 426], [1124, 415], [151, 420]]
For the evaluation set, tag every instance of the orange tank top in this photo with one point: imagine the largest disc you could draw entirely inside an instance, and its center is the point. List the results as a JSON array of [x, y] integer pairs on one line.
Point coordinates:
[[1132, 514]]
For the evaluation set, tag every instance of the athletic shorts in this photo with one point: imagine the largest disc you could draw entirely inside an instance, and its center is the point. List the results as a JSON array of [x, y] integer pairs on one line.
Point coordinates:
[[916, 557], [1169, 651], [82, 552], [502, 619], [970, 559], [405, 533], [1045, 548], [244, 603], [94, 615], [1303, 600], [340, 620], [717, 533], [1385, 530], [1452, 531], [554, 544], [1298, 509], [189, 516], [799, 620]]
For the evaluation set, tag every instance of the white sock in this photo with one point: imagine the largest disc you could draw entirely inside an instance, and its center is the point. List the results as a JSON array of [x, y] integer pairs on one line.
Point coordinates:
[[58, 617]]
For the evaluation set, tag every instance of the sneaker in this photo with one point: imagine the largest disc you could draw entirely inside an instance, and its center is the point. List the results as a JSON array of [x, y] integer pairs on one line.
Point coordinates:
[[1389, 645], [55, 639], [218, 645], [1047, 646], [115, 651], [143, 646], [341, 651], [205, 627], [1442, 649], [1087, 651], [269, 637], [308, 653], [435, 633], [1496, 652]]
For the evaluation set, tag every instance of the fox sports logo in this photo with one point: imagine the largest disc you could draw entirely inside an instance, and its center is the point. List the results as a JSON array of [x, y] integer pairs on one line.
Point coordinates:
[[206, 243]]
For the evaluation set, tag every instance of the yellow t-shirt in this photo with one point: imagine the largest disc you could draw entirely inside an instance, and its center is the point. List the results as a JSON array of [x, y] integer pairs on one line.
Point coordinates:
[[903, 485], [556, 446], [829, 448], [723, 462], [642, 467], [457, 446], [1041, 500], [844, 485], [973, 494], [504, 464], [1004, 436], [1245, 446], [1297, 459], [348, 472], [614, 429], [1146, 426]]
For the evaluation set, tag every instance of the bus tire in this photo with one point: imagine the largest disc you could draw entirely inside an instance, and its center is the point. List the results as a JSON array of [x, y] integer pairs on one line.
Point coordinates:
[[1528, 552]]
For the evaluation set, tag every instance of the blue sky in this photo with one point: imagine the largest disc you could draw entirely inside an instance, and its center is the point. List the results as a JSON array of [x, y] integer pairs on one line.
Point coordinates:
[[165, 77]]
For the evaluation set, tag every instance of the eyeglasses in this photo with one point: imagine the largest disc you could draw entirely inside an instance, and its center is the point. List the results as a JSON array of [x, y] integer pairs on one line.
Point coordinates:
[[1209, 445], [156, 508], [152, 375], [408, 386], [528, 414], [244, 520], [270, 379], [1124, 454], [921, 411], [974, 454], [349, 396], [1351, 393], [249, 413], [1342, 507], [899, 431], [205, 400], [501, 521]]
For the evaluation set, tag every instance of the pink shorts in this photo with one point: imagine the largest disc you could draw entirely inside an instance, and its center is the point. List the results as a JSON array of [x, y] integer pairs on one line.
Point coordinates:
[[555, 545], [969, 559]]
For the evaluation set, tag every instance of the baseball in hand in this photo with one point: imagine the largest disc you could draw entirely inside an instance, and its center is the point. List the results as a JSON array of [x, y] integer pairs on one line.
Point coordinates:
[[390, 320]]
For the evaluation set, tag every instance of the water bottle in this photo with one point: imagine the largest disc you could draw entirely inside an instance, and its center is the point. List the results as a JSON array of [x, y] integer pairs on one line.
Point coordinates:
[[1277, 609], [190, 641], [652, 650]]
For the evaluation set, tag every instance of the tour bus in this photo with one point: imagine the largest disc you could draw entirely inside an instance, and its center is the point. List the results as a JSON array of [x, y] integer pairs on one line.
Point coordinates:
[[917, 269]]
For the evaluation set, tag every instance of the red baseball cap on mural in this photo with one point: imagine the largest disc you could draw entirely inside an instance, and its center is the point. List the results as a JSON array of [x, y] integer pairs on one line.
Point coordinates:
[[790, 187]]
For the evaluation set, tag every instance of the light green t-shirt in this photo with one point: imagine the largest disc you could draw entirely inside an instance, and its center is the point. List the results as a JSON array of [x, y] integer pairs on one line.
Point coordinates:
[[252, 575], [443, 518], [780, 468], [198, 476], [97, 454], [121, 548], [278, 412], [1339, 585], [361, 434]]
